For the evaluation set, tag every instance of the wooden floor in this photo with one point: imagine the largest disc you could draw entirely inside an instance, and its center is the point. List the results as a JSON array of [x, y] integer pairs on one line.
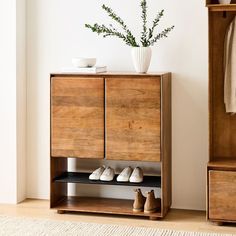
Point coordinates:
[[176, 219]]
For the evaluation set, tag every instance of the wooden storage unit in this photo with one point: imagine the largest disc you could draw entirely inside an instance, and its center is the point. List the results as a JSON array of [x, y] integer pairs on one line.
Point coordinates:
[[111, 116], [222, 159], [222, 195]]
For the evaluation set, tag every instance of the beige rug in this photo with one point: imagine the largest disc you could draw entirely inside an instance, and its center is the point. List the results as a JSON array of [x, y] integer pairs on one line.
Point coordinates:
[[14, 226]]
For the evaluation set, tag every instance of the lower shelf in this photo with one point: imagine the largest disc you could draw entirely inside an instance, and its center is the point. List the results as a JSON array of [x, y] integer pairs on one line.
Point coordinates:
[[102, 205]]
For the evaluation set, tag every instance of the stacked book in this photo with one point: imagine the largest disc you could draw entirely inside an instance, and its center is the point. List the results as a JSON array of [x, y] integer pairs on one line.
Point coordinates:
[[85, 70]]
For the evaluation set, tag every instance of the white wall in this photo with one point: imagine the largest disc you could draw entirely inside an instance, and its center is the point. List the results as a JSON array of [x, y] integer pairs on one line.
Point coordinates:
[[56, 33], [8, 101], [12, 145]]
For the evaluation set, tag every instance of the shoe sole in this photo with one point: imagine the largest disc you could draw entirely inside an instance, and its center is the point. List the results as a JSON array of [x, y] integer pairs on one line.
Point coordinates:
[[123, 181], [151, 211], [137, 210], [106, 180]]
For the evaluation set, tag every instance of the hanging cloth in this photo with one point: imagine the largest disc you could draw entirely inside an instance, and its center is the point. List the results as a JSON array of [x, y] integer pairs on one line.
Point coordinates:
[[230, 69]]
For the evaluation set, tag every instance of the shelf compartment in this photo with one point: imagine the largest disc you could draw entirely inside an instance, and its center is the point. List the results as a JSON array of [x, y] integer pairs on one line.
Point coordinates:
[[222, 164], [101, 205], [83, 178], [222, 7]]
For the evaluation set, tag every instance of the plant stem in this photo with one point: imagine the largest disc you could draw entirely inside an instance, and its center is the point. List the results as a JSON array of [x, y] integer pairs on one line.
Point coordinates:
[[116, 18], [163, 34], [144, 35], [155, 24], [102, 29]]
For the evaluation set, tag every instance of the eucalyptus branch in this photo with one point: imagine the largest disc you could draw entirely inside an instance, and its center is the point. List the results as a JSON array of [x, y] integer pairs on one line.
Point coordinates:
[[147, 34], [155, 24], [116, 18], [105, 31], [144, 35], [161, 35]]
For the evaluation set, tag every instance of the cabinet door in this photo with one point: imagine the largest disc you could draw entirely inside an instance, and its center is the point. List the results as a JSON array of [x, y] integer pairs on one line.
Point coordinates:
[[77, 117], [133, 119], [222, 195]]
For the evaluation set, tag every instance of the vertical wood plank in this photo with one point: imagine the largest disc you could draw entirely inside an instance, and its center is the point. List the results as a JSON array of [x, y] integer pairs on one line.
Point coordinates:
[[77, 117], [166, 137], [58, 191], [133, 119]]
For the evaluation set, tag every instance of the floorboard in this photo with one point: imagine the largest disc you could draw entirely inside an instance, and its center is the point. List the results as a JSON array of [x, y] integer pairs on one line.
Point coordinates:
[[183, 220]]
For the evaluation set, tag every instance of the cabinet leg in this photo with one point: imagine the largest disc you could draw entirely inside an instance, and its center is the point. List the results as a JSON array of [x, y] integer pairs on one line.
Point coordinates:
[[60, 212], [153, 218]]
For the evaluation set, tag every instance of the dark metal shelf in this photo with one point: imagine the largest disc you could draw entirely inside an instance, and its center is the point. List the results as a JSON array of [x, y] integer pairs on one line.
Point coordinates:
[[83, 178]]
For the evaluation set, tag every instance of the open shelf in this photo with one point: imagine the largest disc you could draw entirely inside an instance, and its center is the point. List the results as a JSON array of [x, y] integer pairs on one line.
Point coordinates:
[[223, 164], [83, 178], [101, 205], [222, 7]]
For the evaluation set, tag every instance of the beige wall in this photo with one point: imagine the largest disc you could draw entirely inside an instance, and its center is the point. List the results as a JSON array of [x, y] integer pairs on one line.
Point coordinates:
[[56, 33]]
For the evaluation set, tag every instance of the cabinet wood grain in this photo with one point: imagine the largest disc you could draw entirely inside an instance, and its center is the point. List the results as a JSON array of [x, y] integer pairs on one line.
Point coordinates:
[[222, 195], [133, 119], [77, 117]]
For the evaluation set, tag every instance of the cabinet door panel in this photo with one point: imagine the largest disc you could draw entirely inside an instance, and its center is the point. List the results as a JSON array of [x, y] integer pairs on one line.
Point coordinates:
[[133, 119], [222, 195], [77, 117]]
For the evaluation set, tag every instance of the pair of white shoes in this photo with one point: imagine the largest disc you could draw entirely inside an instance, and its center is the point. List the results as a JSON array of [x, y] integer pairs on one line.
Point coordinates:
[[103, 173], [127, 175], [130, 175]]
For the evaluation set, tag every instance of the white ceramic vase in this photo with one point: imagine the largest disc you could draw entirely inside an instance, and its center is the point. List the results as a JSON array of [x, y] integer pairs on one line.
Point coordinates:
[[141, 58], [224, 1]]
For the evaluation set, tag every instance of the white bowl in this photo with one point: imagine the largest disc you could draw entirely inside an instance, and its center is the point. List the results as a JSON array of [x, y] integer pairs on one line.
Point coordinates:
[[84, 62]]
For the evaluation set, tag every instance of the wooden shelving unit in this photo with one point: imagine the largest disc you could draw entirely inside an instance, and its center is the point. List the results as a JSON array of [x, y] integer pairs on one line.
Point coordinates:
[[109, 116], [221, 169]]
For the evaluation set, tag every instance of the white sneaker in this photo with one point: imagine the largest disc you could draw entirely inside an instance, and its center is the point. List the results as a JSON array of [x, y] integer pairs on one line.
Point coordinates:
[[124, 175], [97, 173], [137, 176], [108, 174]]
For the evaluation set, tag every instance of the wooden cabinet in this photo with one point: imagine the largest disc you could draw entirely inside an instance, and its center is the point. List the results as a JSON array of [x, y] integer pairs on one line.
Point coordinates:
[[77, 121], [222, 195], [133, 119], [111, 116], [221, 188]]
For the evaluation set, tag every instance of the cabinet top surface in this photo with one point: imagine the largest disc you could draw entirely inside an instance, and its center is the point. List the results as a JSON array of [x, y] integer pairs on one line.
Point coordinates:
[[222, 7], [214, 5], [112, 74]]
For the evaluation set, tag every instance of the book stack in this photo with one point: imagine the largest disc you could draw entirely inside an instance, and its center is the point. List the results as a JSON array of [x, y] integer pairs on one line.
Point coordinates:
[[84, 70]]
